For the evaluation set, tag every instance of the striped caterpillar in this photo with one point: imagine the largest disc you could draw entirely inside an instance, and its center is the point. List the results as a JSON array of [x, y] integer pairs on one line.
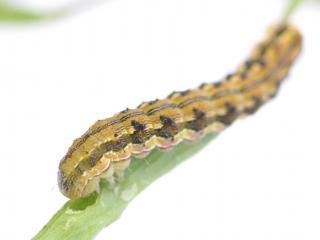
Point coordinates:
[[104, 151]]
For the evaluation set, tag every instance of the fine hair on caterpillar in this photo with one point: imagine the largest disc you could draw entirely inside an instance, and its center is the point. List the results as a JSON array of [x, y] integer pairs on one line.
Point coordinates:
[[104, 151]]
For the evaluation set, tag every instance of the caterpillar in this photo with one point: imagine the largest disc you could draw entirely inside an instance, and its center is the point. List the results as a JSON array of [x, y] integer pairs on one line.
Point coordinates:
[[104, 151]]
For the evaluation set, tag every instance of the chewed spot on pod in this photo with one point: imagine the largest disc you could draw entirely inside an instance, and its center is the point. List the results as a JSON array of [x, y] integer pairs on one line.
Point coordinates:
[[104, 151]]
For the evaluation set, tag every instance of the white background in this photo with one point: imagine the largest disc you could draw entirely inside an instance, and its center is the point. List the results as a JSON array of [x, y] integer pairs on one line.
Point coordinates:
[[260, 179]]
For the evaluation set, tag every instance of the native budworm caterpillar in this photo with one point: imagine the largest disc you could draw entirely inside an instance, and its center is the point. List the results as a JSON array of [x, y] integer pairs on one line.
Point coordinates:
[[104, 151]]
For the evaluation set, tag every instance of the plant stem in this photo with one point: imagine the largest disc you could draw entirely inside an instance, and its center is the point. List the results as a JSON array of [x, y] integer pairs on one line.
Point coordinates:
[[11, 13], [83, 219], [292, 6]]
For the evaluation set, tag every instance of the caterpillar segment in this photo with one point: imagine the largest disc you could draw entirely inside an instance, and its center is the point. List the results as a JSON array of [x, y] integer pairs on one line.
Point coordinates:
[[104, 151]]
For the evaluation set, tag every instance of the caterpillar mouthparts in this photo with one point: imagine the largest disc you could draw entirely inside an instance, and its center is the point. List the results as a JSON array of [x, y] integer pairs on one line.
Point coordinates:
[[104, 151]]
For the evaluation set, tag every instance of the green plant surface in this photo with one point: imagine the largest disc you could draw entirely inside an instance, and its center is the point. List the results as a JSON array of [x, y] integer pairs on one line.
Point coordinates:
[[83, 219], [10, 13], [292, 6]]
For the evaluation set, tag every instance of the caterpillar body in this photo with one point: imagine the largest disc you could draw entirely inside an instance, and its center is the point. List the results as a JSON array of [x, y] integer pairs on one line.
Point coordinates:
[[104, 151]]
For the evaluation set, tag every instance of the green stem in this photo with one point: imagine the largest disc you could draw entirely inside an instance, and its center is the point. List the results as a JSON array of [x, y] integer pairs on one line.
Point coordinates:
[[292, 6], [12, 13], [83, 219]]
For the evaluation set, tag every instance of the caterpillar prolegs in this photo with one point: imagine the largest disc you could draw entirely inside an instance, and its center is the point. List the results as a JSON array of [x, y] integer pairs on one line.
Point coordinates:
[[105, 149]]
